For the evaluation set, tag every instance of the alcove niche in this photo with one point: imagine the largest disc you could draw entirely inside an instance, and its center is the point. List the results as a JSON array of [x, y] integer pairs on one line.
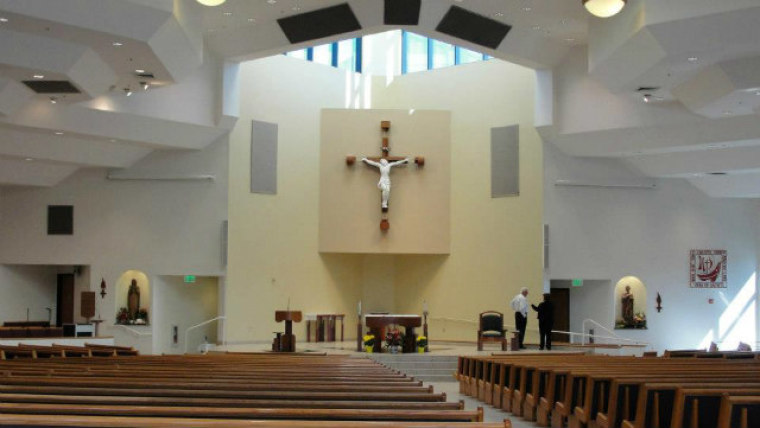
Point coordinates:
[[140, 316], [630, 303]]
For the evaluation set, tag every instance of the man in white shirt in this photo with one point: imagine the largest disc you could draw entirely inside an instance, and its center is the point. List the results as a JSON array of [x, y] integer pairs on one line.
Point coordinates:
[[520, 305]]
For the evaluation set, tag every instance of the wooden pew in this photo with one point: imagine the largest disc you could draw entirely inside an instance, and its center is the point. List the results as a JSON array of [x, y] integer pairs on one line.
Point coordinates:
[[739, 411], [145, 422], [656, 402], [700, 407], [246, 413]]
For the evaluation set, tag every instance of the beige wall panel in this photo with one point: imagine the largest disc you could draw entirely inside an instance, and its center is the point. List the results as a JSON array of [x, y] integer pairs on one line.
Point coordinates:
[[349, 202]]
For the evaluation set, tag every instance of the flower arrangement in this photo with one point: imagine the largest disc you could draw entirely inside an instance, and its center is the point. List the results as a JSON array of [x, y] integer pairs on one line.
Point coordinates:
[[393, 338], [122, 317], [639, 321], [142, 317]]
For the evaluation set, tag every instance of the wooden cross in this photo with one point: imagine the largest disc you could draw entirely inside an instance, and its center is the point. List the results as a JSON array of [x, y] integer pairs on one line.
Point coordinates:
[[385, 126]]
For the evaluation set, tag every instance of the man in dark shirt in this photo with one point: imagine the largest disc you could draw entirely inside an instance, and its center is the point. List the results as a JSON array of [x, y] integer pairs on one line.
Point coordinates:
[[545, 311]]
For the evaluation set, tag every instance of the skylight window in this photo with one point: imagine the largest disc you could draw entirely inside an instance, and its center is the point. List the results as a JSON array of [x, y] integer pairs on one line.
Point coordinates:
[[419, 53]]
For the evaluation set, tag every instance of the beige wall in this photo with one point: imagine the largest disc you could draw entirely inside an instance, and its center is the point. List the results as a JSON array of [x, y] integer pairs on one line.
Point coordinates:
[[349, 208], [495, 245]]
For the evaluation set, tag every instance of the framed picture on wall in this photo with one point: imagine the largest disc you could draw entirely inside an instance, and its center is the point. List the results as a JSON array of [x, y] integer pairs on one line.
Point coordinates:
[[707, 269]]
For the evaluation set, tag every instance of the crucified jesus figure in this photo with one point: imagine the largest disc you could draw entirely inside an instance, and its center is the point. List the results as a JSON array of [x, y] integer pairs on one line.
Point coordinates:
[[385, 180]]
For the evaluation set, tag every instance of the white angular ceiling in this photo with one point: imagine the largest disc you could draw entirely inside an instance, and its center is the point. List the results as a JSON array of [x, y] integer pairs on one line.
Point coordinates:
[[697, 60]]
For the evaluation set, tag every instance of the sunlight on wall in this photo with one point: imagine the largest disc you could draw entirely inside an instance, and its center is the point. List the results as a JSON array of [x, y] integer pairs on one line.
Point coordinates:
[[367, 90], [392, 56], [737, 323], [707, 340]]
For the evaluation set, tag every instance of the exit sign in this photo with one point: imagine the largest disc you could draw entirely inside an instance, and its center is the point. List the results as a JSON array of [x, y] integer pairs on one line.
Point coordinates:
[[189, 279], [577, 283]]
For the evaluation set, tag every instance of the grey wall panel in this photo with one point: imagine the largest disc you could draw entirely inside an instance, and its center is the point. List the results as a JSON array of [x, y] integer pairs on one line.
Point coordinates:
[[263, 157], [505, 161]]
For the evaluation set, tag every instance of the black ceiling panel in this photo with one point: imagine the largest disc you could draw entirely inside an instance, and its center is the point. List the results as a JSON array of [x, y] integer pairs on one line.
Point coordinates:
[[466, 25], [402, 12], [319, 23], [51, 86]]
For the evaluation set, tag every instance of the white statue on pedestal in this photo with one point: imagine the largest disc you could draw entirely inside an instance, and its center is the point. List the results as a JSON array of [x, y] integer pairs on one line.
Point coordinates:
[[385, 180]]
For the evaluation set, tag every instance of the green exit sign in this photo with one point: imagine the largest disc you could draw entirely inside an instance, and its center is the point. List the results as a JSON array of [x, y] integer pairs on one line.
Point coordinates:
[[189, 279], [577, 283]]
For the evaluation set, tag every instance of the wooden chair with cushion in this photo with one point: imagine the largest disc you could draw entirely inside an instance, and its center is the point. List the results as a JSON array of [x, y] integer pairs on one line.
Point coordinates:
[[492, 329]]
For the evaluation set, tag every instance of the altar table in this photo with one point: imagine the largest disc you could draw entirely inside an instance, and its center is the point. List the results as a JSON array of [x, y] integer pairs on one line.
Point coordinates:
[[377, 324]]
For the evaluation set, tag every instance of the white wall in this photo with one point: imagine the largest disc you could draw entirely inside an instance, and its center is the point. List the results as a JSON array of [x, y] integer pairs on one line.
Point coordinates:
[[32, 287], [183, 305], [611, 233], [158, 227], [592, 298]]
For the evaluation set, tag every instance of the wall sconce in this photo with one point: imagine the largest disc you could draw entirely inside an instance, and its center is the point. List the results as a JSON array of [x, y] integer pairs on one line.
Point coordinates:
[[103, 288]]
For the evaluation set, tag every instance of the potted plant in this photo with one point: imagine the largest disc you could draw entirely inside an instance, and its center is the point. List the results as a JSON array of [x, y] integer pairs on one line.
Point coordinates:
[[422, 343], [369, 343]]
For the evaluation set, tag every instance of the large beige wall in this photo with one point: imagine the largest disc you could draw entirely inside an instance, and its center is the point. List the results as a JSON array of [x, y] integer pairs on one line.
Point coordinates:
[[274, 256], [273, 250], [496, 244], [349, 209]]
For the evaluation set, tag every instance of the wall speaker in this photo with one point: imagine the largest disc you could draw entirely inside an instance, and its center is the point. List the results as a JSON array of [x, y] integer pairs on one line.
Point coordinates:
[[60, 220]]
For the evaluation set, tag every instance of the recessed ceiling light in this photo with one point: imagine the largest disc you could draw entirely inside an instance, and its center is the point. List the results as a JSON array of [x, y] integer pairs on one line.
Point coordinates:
[[295, 8], [53, 100], [29, 159], [536, 27], [3, 19], [527, 9], [271, 1], [211, 2], [251, 20], [39, 76], [58, 133], [569, 39], [227, 14], [139, 71], [498, 14], [693, 59], [117, 44]]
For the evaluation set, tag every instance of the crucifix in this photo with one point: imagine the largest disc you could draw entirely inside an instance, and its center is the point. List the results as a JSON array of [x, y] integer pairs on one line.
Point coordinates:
[[384, 163]]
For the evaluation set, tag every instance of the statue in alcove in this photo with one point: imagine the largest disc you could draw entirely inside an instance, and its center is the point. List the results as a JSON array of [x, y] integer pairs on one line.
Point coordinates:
[[133, 300], [627, 306]]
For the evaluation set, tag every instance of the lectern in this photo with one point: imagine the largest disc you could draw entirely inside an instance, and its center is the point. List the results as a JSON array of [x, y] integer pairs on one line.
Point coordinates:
[[286, 342]]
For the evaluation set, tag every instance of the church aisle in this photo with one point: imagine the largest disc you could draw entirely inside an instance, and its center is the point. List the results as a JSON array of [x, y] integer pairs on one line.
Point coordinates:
[[490, 414]]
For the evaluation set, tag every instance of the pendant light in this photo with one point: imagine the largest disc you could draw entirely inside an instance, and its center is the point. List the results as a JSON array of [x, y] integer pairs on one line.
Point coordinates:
[[604, 8], [211, 2]]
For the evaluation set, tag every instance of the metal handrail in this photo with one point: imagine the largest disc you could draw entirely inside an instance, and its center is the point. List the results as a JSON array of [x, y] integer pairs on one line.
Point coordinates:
[[187, 331], [133, 331]]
